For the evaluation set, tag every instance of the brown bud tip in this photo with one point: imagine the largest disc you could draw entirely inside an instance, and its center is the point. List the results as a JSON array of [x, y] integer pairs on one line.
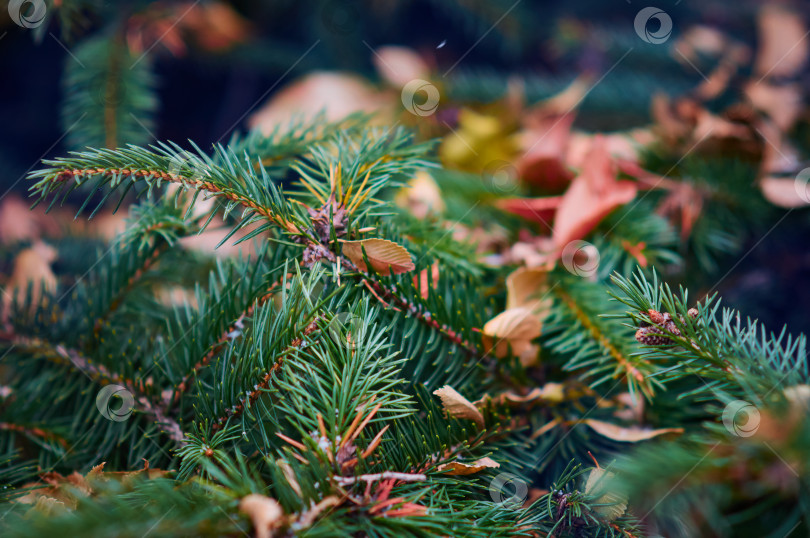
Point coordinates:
[[693, 313], [656, 316], [209, 452]]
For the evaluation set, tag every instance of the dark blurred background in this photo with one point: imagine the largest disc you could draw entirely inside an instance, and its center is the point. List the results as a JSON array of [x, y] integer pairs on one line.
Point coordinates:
[[215, 63]]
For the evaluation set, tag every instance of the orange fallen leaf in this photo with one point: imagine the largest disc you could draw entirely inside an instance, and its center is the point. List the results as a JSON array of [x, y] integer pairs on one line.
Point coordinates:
[[591, 197], [458, 406], [385, 256], [456, 468], [628, 435]]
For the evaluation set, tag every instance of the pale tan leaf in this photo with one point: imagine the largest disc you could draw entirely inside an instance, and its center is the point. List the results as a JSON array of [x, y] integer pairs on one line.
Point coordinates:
[[514, 324], [421, 196], [628, 435], [609, 504], [785, 192], [784, 47], [458, 468], [525, 288], [400, 65], [264, 512], [458, 406], [385, 256]]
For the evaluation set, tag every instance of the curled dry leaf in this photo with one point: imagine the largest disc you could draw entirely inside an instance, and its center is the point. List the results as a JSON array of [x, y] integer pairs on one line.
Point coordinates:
[[784, 48], [458, 406], [628, 435], [385, 257], [783, 192], [592, 196], [32, 265], [458, 468], [609, 504], [265, 513], [550, 392], [525, 288], [514, 328]]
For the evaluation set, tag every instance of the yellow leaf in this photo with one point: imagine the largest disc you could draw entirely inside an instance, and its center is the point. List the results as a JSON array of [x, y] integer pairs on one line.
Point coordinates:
[[608, 504], [458, 468], [628, 435], [458, 406], [385, 256]]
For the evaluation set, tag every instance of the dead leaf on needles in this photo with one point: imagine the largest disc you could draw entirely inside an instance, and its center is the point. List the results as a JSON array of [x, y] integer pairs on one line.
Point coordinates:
[[264, 512], [385, 257], [32, 266], [628, 435], [456, 468], [593, 194], [525, 288], [608, 504], [458, 406], [514, 328]]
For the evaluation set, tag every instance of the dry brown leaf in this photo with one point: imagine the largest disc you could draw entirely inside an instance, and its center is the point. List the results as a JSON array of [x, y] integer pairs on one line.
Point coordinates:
[[32, 265], [525, 287], [264, 512], [784, 192], [458, 468], [385, 256], [591, 197], [539, 210], [628, 435], [458, 406], [613, 503], [784, 48], [544, 144], [400, 65], [550, 392], [308, 517], [514, 328]]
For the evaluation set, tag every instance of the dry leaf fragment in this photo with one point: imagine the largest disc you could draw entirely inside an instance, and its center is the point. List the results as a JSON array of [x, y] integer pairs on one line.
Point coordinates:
[[456, 468], [784, 192], [458, 406], [32, 266], [591, 197], [784, 48], [540, 210], [264, 512], [514, 328], [608, 504], [385, 256], [628, 435]]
